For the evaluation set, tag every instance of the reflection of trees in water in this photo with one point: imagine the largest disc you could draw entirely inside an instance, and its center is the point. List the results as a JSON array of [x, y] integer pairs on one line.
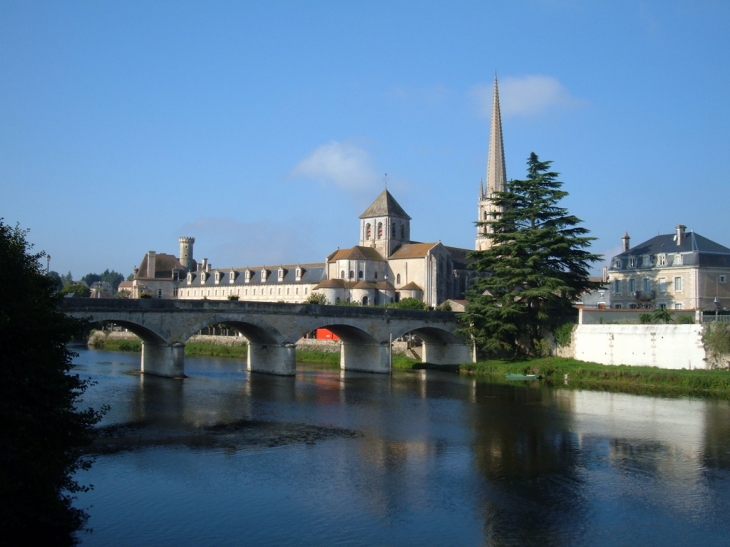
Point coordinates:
[[531, 461], [716, 450]]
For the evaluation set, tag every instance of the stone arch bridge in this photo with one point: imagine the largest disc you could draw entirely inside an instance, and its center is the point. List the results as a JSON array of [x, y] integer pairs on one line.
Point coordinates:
[[273, 329]]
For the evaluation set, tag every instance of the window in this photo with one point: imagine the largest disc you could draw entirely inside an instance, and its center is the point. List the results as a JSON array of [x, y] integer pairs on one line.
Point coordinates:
[[723, 279], [248, 276], [376, 275], [646, 261], [254, 292], [662, 259], [677, 284], [217, 277], [264, 274], [342, 274], [299, 274], [368, 231], [646, 284], [678, 306], [617, 264], [617, 306], [352, 274], [402, 231], [296, 290], [174, 291], [190, 278], [159, 293], [271, 291], [397, 279], [175, 275], [662, 305], [662, 284], [231, 276], [380, 230], [215, 292], [359, 274], [616, 285], [678, 259], [632, 262], [279, 291], [632, 285]]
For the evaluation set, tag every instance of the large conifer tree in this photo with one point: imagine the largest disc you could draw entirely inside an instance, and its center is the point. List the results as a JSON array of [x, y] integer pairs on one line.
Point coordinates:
[[537, 266]]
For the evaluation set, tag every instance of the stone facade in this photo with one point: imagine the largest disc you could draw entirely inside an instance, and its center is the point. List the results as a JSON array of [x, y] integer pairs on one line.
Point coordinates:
[[683, 270]]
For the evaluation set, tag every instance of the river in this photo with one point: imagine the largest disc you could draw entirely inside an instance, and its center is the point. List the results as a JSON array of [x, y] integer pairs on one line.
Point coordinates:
[[418, 458]]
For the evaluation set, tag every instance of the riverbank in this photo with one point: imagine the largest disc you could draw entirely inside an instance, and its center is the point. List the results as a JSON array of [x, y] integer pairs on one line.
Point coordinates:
[[558, 370]]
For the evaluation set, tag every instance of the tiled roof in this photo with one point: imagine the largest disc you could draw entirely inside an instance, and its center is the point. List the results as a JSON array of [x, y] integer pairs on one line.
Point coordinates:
[[699, 250], [411, 287], [311, 274], [413, 250], [385, 205], [355, 253], [164, 264]]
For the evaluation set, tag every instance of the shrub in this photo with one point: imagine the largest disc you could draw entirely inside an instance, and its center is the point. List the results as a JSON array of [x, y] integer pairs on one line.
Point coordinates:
[[315, 298], [563, 333], [685, 320], [409, 304], [645, 318], [662, 315]]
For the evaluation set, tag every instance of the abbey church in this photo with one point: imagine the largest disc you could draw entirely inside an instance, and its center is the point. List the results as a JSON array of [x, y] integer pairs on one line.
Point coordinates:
[[385, 266]]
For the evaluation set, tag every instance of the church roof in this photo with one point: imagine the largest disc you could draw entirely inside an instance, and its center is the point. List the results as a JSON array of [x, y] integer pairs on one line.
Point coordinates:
[[496, 171], [411, 287], [385, 205], [413, 250], [355, 253]]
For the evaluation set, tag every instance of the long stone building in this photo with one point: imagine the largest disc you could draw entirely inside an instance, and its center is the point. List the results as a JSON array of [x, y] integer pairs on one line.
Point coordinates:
[[385, 266]]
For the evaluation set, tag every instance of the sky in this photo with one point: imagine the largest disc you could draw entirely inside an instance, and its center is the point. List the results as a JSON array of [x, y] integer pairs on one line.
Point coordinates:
[[264, 129]]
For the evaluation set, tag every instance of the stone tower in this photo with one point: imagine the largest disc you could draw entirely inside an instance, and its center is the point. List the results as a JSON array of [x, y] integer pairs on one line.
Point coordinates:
[[186, 252], [385, 225], [496, 175]]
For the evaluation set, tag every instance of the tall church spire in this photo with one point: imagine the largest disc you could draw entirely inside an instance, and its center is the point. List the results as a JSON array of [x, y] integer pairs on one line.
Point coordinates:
[[496, 174]]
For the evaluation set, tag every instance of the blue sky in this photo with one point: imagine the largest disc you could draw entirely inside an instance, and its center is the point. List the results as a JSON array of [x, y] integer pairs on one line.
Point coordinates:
[[264, 129]]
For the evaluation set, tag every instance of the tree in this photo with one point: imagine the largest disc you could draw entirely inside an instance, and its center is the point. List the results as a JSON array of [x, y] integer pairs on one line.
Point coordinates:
[[316, 298], [537, 266], [408, 304], [76, 289], [43, 431]]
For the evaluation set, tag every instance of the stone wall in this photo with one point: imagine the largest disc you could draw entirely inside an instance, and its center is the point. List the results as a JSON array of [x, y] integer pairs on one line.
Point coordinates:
[[664, 346]]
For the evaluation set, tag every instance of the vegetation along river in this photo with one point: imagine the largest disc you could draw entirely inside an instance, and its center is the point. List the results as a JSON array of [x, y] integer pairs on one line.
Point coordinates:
[[225, 457]]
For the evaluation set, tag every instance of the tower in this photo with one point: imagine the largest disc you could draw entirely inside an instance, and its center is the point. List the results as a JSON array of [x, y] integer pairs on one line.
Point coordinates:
[[385, 225], [496, 175], [186, 252]]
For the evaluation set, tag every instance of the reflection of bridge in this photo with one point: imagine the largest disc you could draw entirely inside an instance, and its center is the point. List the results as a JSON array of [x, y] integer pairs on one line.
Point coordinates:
[[272, 331]]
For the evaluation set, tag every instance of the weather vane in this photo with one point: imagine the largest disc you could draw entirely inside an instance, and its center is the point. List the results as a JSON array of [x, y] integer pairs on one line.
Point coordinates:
[[385, 180]]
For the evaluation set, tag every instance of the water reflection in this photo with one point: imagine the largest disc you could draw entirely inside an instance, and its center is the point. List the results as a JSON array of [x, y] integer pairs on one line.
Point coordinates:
[[419, 458]]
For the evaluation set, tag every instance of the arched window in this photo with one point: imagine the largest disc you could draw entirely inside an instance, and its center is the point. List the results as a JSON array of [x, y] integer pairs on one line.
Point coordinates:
[[402, 231], [485, 216], [364, 300], [368, 231], [380, 230], [397, 279], [342, 274], [359, 274], [352, 274]]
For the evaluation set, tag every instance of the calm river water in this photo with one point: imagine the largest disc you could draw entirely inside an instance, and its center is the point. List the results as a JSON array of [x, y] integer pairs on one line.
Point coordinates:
[[225, 457]]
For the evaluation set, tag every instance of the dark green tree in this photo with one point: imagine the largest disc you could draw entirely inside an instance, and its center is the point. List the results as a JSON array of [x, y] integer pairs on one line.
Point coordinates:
[[76, 289], [537, 266], [43, 430], [56, 279]]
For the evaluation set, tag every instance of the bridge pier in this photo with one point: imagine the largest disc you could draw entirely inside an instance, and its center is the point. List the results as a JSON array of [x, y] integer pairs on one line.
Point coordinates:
[[272, 359], [446, 354], [163, 359], [365, 357]]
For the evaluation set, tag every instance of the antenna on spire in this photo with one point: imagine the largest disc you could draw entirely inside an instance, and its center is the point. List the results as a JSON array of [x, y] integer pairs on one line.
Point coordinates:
[[385, 180]]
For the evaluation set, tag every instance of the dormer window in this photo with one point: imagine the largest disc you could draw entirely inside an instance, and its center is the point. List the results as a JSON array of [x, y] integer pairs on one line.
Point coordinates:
[[282, 272], [646, 261], [190, 278], [299, 274], [678, 259], [247, 276], [203, 277], [176, 275], [662, 259], [632, 262], [231, 276], [264, 274], [617, 264], [217, 277]]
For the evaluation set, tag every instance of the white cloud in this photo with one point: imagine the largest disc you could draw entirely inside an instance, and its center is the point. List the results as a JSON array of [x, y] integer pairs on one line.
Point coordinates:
[[342, 164], [525, 96]]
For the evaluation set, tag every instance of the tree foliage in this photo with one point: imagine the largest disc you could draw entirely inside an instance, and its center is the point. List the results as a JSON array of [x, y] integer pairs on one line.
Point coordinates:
[[43, 431], [537, 266], [76, 289], [408, 304]]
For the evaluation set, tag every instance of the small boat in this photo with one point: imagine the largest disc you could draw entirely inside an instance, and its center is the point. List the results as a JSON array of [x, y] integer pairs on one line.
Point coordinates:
[[522, 376]]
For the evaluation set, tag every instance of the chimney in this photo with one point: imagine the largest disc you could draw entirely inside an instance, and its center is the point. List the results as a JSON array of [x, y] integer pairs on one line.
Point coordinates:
[[151, 263], [605, 274], [203, 265], [679, 238], [625, 240]]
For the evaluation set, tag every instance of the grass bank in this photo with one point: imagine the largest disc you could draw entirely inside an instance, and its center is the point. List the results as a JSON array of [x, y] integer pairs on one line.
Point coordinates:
[[554, 369]]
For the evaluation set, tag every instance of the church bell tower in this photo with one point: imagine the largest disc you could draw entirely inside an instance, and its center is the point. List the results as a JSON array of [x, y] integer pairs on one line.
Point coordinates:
[[496, 175]]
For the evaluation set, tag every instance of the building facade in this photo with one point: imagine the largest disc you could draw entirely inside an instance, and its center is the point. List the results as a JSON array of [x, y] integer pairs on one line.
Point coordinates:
[[683, 270]]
